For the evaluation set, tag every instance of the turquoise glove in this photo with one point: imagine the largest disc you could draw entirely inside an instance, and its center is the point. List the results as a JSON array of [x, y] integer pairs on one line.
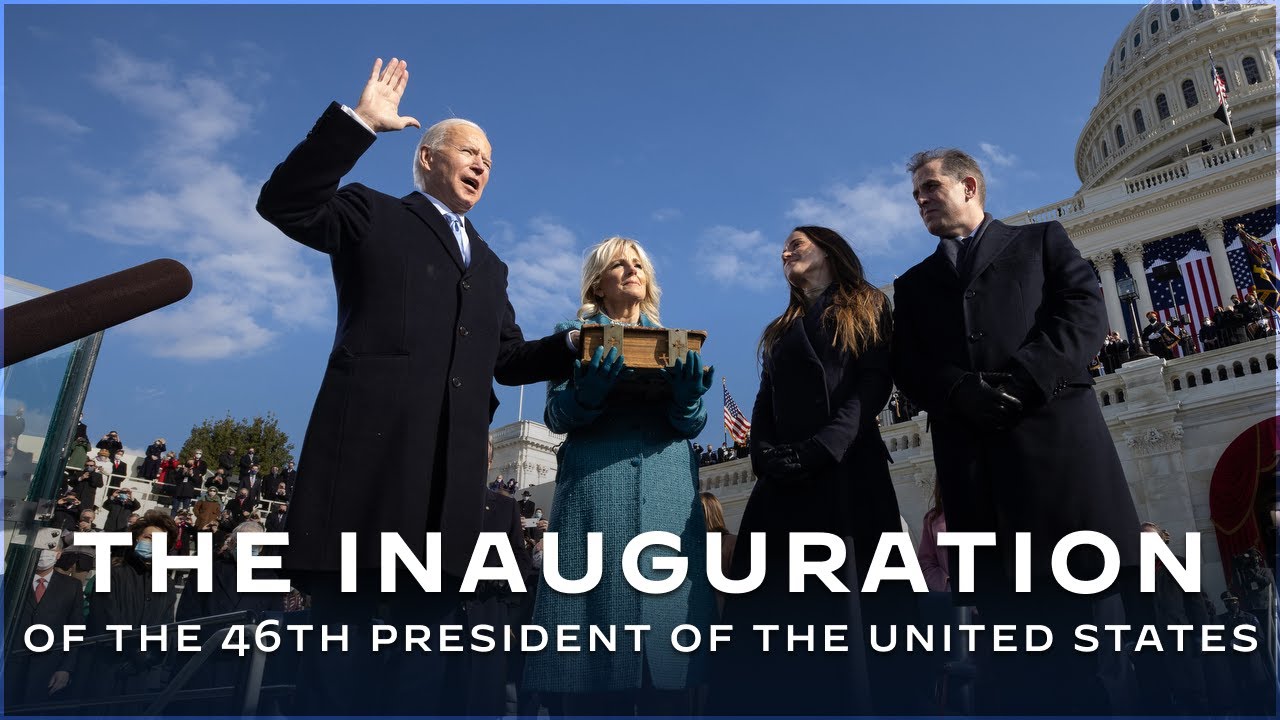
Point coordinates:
[[593, 381], [689, 380]]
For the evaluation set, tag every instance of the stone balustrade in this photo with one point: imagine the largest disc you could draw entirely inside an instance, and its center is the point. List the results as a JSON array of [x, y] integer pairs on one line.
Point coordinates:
[[1195, 167]]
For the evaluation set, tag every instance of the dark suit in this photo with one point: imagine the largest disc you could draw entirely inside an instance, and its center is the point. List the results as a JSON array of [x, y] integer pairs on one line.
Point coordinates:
[[1028, 304], [810, 389], [420, 339], [405, 400], [27, 676]]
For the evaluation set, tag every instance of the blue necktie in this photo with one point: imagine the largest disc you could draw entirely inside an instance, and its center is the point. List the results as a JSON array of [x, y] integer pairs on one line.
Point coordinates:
[[460, 233]]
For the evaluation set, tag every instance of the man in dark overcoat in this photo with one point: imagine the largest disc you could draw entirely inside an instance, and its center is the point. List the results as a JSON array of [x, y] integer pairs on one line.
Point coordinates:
[[56, 601], [424, 327], [993, 335]]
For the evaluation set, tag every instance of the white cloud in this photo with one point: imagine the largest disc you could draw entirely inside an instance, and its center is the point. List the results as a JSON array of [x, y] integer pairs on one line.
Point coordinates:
[[996, 156], [740, 258], [873, 215], [544, 264], [58, 122], [665, 214], [183, 199]]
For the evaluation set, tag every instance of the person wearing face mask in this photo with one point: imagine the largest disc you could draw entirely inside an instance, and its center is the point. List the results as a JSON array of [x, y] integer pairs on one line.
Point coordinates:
[[119, 508], [225, 597], [55, 600], [626, 467], [131, 601], [822, 467]]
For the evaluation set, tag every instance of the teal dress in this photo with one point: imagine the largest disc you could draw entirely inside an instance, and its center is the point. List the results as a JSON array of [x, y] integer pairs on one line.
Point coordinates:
[[623, 470]]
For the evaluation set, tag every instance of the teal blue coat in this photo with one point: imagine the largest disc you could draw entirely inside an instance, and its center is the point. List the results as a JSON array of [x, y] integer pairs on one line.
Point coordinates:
[[623, 470]]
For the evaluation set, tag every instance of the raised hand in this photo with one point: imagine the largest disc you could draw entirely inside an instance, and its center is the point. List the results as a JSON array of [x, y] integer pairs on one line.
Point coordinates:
[[379, 104]]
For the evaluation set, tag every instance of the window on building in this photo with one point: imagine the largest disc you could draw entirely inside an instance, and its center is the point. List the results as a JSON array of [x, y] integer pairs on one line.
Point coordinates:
[[1251, 74], [1223, 74], [1174, 15], [1189, 96], [1121, 54], [1155, 26], [1104, 148], [1162, 106], [1119, 137], [1139, 125], [1197, 4], [1137, 39]]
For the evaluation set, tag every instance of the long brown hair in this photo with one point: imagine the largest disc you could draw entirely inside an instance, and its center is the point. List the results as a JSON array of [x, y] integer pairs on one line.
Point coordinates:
[[713, 511], [854, 312]]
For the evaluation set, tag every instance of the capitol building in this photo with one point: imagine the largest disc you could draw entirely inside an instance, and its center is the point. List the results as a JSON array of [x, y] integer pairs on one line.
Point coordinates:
[[1162, 182]]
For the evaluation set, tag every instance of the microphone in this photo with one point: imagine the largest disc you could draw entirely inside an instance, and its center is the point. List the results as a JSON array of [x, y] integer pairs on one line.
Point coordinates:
[[49, 321]]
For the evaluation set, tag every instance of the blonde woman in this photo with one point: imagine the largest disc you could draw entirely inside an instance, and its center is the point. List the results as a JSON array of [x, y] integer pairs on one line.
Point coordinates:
[[626, 467]]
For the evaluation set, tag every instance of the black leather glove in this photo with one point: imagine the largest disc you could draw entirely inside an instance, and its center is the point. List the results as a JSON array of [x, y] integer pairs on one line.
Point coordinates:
[[796, 460], [975, 399]]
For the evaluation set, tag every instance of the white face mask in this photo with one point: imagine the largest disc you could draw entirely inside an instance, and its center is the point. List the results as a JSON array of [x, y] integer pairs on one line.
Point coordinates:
[[46, 561]]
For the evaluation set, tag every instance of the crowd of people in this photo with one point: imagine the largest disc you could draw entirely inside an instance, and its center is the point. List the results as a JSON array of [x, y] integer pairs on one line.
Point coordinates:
[[711, 455], [410, 394], [1240, 321]]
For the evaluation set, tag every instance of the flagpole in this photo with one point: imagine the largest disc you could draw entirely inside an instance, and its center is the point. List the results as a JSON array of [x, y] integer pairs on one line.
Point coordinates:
[[724, 429], [520, 409], [1222, 99]]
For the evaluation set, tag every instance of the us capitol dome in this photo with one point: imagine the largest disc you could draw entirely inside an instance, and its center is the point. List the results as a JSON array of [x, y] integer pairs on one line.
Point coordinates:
[[1156, 100]]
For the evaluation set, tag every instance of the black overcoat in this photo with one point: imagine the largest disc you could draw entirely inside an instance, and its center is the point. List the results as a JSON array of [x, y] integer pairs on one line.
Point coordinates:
[[810, 389], [27, 676], [1028, 304], [419, 341]]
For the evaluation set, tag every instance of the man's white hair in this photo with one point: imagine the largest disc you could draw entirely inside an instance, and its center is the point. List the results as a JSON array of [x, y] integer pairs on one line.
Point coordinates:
[[434, 139]]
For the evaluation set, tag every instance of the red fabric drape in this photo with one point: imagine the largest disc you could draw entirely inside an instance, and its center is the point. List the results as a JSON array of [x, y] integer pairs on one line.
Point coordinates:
[[1233, 490]]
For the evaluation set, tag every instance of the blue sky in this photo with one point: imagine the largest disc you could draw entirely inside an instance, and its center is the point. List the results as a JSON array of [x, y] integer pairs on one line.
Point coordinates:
[[705, 132]]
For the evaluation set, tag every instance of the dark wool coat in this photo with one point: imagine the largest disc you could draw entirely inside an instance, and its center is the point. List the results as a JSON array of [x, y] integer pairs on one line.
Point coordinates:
[[420, 339], [1029, 304]]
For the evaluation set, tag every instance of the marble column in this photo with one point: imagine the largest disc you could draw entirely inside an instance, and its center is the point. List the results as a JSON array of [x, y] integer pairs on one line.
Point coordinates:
[[1133, 258], [1212, 230], [1105, 264]]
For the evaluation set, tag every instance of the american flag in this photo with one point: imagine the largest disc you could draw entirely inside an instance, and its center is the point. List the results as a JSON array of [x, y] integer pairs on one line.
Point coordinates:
[[1260, 224], [1220, 90], [735, 422], [1195, 293]]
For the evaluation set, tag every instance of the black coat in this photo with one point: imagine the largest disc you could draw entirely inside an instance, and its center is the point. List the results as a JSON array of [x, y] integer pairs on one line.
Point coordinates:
[[118, 512], [812, 390], [420, 339], [86, 488], [131, 601], [1030, 305], [27, 676], [224, 597]]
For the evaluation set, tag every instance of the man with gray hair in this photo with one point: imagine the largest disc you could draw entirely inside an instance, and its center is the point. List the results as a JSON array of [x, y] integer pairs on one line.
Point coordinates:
[[993, 334], [424, 328]]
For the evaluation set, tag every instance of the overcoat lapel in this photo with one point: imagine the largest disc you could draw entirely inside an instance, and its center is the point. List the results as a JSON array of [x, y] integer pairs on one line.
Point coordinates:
[[424, 209]]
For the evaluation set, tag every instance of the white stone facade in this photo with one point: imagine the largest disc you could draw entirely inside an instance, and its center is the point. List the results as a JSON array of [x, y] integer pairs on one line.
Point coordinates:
[[1169, 433]]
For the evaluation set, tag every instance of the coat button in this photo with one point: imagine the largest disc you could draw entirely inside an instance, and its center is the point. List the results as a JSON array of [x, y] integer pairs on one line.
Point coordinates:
[[635, 463], [975, 336], [969, 293], [463, 331], [466, 285], [457, 382]]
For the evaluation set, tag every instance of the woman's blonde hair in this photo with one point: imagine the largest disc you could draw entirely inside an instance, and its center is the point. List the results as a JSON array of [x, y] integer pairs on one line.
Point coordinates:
[[598, 260], [856, 306], [713, 511]]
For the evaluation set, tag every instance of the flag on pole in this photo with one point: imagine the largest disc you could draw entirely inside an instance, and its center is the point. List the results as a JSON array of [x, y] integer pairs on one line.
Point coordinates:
[[1220, 90], [1265, 282], [734, 421]]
